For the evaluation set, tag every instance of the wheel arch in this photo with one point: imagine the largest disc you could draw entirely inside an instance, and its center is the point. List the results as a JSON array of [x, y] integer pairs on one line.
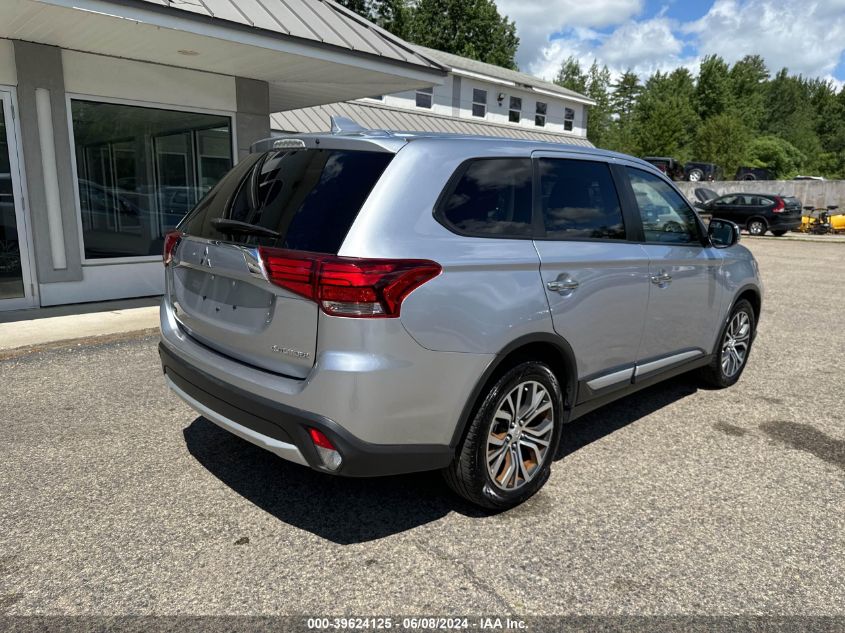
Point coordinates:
[[753, 295], [549, 348]]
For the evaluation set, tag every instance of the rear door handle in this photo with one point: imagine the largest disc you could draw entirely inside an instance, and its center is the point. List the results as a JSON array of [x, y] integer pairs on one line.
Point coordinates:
[[661, 279], [562, 284]]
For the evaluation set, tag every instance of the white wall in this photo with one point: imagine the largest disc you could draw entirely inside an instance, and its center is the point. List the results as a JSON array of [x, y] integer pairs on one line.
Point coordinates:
[[8, 74], [115, 78], [497, 113]]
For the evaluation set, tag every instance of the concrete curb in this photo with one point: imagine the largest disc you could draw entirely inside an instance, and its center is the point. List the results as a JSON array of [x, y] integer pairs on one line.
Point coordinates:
[[24, 337]]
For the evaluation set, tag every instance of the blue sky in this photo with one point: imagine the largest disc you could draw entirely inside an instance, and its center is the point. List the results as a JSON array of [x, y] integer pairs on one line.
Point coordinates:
[[650, 35]]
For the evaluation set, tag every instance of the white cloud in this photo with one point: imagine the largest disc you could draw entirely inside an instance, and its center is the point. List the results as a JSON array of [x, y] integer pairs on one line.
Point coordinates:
[[644, 46], [806, 37], [537, 20]]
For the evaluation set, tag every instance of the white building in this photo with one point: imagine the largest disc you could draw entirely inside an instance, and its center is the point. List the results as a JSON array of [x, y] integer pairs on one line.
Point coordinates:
[[476, 98], [117, 115]]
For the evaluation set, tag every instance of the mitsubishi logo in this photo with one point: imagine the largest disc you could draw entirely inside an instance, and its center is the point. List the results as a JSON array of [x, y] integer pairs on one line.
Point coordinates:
[[205, 260]]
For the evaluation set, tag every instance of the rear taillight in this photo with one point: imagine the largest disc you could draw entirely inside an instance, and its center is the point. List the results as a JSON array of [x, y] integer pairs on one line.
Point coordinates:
[[171, 241], [779, 206], [348, 286]]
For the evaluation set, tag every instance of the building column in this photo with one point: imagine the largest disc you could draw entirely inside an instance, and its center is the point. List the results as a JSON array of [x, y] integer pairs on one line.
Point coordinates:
[[48, 155], [252, 119]]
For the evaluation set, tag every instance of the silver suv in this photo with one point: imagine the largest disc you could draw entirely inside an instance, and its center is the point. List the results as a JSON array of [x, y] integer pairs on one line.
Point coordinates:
[[373, 303]]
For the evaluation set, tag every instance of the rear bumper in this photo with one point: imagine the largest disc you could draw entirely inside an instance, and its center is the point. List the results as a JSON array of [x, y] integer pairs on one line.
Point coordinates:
[[283, 429], [785, 224]]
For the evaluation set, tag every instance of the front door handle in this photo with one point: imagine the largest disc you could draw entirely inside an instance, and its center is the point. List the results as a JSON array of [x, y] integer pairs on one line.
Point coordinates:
[[661, 279], [563, 284]]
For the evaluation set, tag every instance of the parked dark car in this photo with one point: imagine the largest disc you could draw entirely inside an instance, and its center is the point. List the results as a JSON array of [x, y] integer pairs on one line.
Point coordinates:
[[756, 212], [669, 166], [699, 172], [754, 173]]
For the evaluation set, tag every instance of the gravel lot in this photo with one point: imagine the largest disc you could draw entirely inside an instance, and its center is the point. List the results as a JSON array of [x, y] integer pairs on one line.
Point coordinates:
[[117, 499]]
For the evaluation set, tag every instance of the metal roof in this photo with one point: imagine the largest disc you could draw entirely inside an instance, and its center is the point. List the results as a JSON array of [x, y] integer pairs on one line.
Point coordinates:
[[522, 80], [381, 117], [320, 21]]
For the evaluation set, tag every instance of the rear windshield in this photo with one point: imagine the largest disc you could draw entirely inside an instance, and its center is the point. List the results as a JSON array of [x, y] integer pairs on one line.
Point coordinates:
[[309, 197]]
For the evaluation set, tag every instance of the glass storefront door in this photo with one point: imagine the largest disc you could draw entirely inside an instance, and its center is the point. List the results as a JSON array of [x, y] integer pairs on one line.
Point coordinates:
[[15, 289]]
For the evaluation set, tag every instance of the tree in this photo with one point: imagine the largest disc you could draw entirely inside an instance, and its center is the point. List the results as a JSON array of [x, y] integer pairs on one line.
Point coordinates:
[[599, 119], [665, 118], [748, 89], [391, 15], [775, 154], [471, 28], [714, 87], [571, 76], [722, 139]]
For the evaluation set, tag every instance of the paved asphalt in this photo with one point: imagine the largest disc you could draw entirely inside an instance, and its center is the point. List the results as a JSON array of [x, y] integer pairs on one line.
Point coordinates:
[[117, 499]]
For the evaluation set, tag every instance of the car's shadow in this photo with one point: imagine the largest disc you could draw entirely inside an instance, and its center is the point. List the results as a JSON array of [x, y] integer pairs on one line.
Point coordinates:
[[351, 510]]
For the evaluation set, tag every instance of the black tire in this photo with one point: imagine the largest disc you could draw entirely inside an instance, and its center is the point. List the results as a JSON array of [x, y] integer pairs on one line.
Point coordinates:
[[714, 375], [757, 226], [695, 175], [468, 474], [778, 233]]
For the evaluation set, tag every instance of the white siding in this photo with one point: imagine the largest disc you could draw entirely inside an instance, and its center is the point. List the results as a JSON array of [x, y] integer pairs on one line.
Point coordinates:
[[8, 73], [496, 113]]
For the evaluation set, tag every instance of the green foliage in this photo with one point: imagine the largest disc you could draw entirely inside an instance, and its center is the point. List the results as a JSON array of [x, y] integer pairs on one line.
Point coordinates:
[[571, 76], [730, 115], [714, 87], [776, 154], [470, 28], [599, 118], [722, 139]]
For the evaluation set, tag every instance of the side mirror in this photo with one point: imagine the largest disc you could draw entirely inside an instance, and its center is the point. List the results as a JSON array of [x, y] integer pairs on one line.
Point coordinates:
[[723, 233]]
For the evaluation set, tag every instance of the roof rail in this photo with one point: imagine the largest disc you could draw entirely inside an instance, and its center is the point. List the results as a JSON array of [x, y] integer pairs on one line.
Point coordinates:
[[343, 126]]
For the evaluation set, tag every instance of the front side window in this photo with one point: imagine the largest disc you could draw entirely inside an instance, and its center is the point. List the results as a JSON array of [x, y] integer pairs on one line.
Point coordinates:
[[579, 200], [515, 110], [491, 198], [479, 103], [425, 97], [568, 119], [540, 114], [665, 214], [140, 170]]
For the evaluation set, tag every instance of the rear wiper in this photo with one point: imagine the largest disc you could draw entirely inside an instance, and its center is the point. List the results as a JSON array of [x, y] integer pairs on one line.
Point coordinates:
[[225, 225]]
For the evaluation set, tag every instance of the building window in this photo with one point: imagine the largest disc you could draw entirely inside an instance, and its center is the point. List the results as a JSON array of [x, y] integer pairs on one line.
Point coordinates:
[[568, 119], [140, 170], [425, 97], [479, 103], [515, 110], [540, 114]]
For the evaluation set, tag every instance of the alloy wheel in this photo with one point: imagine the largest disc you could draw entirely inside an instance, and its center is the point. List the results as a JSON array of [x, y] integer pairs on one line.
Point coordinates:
[[520, 435], [735, 344], [757, 228]]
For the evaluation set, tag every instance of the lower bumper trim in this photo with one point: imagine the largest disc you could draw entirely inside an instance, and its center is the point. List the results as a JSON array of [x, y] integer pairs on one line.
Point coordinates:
[[282, 449]]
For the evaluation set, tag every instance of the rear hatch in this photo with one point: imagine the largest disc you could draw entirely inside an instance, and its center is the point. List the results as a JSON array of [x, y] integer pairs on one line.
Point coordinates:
[[792, 206], [297, 199]]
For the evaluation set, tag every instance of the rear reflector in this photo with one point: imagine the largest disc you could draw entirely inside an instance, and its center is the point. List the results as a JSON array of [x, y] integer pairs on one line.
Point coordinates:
[[326, 451], [348, 286], [171, 241]]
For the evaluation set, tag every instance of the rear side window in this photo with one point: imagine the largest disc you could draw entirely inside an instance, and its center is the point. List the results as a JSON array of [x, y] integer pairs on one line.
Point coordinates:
[[491, 198], [579, 200], [309, 197]]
